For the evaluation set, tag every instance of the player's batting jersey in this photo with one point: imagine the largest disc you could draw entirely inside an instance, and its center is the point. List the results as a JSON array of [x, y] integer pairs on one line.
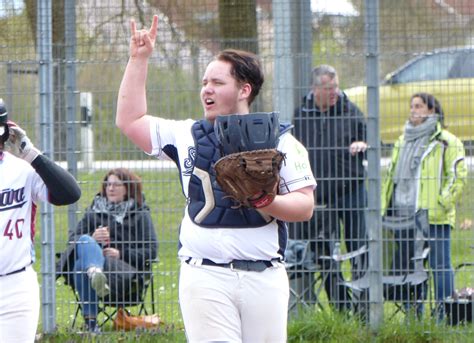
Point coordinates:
[[20, 189]]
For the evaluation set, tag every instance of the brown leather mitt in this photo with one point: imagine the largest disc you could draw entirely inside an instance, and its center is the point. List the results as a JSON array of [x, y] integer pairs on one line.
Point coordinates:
[[124, 321], [251, 178]]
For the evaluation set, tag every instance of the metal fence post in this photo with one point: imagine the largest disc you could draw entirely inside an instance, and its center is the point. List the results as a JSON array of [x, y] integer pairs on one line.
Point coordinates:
[[48, 293], [373, 157], [71, 98], [284, 79], [293, 54]]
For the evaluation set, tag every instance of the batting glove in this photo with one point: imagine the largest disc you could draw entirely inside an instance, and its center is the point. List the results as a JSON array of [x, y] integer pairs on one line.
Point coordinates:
[[19, 144]]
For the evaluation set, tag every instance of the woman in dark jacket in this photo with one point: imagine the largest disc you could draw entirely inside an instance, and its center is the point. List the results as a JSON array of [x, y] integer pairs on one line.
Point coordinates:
[[110, 245]]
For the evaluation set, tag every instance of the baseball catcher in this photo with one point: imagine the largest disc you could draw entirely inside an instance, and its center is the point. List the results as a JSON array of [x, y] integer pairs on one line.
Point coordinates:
[[220, 241], [249, 171]]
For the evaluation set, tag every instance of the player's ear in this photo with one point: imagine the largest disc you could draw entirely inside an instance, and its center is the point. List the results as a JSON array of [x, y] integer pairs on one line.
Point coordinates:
[[245, 90]]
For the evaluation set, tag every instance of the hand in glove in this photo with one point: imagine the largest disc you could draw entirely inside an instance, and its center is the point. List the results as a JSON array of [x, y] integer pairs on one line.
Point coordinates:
[[19, 144], [251, 178]]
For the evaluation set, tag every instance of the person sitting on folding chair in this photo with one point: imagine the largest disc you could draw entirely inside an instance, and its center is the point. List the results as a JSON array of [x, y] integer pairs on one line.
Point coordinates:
[[110, 246], [428, 171]]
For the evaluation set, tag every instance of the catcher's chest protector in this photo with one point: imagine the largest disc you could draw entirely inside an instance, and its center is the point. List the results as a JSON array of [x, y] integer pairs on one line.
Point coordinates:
[[208, 204]]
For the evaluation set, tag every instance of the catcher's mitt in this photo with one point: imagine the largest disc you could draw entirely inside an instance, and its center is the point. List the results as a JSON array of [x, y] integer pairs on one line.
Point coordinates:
[[251, 178]]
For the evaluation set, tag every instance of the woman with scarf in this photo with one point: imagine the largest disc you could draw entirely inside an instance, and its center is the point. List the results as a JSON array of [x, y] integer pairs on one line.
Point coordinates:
[[428, 171], [110, 245]]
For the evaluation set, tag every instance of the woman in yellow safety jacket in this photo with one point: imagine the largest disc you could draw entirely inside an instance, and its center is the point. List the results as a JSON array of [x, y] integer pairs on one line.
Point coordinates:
[[428, 171]]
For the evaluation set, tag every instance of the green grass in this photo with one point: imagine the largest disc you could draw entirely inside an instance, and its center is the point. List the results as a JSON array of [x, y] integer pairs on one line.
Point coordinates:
[[163, 195], [327, 326], [166, 334]]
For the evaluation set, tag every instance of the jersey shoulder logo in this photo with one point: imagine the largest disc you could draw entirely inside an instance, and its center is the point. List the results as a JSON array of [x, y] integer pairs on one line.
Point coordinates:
[[189, 161]]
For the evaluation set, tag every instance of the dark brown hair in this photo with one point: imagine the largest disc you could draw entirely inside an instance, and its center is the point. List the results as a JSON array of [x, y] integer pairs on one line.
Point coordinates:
[[131, 181], [432, 103], [245, 68]]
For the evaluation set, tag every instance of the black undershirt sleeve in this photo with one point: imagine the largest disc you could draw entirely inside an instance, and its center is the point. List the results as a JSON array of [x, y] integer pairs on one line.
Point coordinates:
[[62, 187]]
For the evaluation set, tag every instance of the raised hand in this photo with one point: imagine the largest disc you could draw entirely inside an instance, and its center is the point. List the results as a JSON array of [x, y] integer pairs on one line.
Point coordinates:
[[142, 41], [19, 144]]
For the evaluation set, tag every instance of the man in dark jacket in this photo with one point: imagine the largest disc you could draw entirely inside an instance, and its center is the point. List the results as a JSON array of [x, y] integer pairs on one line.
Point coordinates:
[[333, 130]]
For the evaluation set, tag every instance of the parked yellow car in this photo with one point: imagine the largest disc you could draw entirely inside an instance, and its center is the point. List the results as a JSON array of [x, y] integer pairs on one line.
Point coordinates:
[[448, 74]]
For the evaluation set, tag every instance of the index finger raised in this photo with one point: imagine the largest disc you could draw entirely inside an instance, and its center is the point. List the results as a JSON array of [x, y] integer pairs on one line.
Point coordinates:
[[133, 27]]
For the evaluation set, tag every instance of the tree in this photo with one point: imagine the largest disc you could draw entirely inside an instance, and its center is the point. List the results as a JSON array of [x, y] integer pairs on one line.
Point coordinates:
[[238, 25]]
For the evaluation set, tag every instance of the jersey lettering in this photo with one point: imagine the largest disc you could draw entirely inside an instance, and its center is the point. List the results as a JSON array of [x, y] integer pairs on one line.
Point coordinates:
[[17, 230], [12, 198]]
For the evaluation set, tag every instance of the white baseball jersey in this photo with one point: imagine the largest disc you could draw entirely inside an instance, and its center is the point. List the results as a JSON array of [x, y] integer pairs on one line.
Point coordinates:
[[20, 189], [173, 140]]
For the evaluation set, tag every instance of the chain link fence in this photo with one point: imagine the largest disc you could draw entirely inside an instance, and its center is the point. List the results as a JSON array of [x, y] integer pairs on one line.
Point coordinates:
[[62, 63]]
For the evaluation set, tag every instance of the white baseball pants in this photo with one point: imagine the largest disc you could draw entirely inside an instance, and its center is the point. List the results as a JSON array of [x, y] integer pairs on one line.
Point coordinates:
[[19, 307], [223, 305]]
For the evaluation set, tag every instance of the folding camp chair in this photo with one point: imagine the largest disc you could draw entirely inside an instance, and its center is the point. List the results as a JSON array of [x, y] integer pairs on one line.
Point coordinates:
[[310, 266], [137, 292], [302, 264], [357, 258], [301, 268], [459, 307], [405, 252]]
